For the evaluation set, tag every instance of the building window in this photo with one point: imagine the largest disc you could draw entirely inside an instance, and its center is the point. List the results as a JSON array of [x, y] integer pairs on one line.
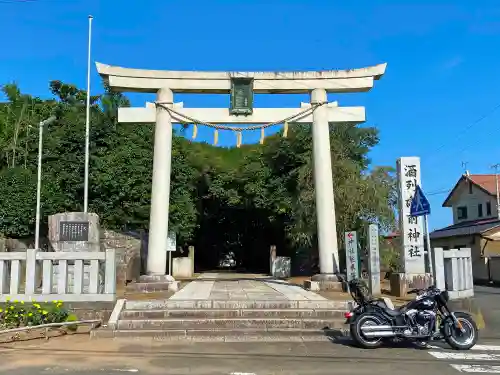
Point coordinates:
[[462, 213], [480, 210], [488, 208], [470, 187]]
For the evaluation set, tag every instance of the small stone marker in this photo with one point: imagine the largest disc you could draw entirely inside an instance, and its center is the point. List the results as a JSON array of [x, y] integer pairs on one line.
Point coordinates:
[[351, 255], [373, 260]]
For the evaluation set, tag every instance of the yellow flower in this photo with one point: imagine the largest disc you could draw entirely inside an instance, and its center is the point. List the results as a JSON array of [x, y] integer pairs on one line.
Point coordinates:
[[44, 312], [30, 314], [16, 301], [15, 316], [59, 305], [22, 302], [1, 311], [12, 307], [7, 299]]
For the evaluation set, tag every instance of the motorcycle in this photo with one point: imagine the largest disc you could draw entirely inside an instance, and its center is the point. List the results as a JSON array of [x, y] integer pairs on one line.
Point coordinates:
[[426, 318], [363, 300]]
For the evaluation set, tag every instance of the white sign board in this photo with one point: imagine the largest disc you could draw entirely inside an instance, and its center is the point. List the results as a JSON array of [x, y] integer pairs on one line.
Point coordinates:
[[351, 255], [373, 259], [411, 228], [172, 241]]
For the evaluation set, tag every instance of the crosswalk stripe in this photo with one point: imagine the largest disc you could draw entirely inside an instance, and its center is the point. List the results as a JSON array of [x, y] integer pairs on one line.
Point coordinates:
[[477, 368], [466, 356], [490, 353], [485, 348]]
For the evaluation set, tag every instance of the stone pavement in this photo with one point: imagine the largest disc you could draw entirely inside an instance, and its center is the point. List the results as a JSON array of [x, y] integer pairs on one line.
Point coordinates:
[[79, 355], [213, 286]]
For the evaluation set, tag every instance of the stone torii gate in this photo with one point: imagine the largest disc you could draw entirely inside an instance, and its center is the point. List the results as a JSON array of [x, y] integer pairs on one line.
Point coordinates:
[[242, 85]]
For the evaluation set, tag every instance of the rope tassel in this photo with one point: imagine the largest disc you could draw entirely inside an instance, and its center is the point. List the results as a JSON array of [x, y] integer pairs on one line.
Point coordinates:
[[238, 139], [262, 136], [195, 131], [285, 129], [216, 137]]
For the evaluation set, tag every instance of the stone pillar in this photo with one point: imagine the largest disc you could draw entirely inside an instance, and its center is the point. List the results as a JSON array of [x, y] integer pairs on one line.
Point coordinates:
[[323, 185], [160, 192]]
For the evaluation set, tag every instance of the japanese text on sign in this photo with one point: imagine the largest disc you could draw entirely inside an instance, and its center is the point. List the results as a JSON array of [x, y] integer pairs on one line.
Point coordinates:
[[351, 255], [412, 234], [73, 231]]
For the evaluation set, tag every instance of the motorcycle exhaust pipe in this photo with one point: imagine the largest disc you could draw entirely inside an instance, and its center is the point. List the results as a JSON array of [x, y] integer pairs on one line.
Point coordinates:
[[379, 334], [376, 328]]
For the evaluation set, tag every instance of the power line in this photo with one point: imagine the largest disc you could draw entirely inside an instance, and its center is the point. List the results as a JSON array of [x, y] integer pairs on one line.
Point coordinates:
[[472, 124]]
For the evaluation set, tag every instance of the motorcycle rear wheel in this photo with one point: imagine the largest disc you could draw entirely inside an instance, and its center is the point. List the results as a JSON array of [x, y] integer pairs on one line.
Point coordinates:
[[357, 335], [461, 340]]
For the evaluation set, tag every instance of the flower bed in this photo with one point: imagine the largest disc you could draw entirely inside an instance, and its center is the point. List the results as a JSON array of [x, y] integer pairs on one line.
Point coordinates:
[[16, 314]]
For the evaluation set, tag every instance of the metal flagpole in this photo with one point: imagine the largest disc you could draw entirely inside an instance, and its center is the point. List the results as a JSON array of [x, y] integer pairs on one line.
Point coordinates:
[[87, 125]]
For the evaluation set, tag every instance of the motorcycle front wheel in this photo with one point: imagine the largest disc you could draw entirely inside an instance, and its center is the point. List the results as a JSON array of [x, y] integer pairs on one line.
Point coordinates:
[[461, 339], [356, 333]]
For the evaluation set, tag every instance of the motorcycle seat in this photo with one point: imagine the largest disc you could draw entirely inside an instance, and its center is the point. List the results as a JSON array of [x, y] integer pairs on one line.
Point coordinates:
[[392, 312], [388, 306]]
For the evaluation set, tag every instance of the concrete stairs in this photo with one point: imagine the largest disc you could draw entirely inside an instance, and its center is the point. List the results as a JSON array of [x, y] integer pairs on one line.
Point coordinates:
[[212, 320]]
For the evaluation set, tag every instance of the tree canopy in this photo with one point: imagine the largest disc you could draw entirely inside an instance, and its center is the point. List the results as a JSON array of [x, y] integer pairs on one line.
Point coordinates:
[[222, 199]]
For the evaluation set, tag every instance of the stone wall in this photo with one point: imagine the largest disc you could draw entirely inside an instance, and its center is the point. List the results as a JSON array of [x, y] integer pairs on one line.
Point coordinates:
[[128, 253]]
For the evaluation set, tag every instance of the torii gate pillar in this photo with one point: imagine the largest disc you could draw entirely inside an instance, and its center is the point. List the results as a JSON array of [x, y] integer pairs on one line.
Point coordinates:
[[160, 190], [323, 186]]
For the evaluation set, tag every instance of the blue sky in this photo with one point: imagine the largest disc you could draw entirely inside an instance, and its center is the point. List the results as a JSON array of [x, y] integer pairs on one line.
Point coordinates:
[[442, 56]]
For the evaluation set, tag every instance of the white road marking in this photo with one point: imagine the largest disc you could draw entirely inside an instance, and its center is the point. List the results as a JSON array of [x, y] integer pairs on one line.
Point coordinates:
[[477, 368], [485, 348], [466, 356]]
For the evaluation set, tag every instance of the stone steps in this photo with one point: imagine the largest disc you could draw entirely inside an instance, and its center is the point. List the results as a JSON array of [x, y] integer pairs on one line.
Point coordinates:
[[226, 320], [226, 323], [232, 313], [236, 304]]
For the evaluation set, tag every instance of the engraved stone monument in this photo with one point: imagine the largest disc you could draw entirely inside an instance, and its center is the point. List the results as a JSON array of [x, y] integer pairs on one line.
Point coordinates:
[[74, 231]]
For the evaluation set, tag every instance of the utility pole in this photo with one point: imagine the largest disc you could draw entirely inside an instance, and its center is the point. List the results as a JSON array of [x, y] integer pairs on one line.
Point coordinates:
[[42, 124], [495, 167]]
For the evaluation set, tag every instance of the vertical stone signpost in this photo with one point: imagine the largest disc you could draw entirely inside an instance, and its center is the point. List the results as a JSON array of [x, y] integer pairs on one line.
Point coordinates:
[[412, 231], [373, 260], [351, 255]]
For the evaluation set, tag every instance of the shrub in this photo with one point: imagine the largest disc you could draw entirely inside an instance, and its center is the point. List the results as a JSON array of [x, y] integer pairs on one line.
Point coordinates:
[[22, 314]]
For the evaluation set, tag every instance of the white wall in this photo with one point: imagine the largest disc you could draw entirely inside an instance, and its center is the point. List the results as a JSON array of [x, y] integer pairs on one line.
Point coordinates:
[[462, 198]]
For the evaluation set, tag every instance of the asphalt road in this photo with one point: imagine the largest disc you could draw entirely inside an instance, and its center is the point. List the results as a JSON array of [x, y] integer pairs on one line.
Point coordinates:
[[488, 299], [144, 357]]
